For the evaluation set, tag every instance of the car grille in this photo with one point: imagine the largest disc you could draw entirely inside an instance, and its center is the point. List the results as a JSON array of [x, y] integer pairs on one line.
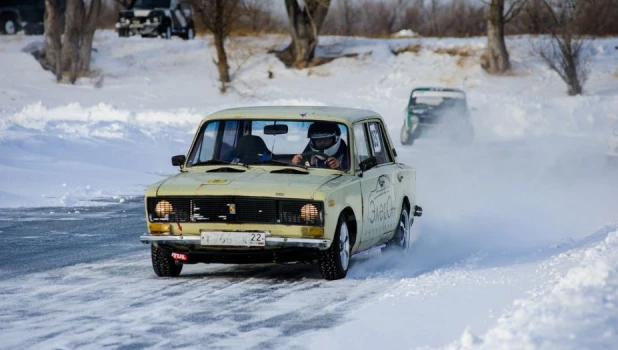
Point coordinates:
[[234, 209]]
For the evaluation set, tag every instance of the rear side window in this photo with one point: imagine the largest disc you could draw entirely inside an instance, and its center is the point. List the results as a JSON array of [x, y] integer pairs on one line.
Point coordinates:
[[378, 143]]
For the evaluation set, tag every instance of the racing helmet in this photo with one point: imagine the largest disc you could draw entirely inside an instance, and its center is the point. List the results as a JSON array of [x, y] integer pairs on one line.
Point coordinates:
[[321, 131]]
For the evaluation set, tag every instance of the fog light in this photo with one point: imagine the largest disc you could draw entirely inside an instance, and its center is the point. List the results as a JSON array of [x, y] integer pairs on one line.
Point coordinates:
[[159, 228], [163, 208], [312, 231]]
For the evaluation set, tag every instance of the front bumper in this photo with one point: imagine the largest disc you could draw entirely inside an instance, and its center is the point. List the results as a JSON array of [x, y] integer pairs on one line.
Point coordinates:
[[141, 28], [270, 241]]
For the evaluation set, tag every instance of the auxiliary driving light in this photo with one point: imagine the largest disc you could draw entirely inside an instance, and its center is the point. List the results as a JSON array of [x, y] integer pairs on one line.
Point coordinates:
[[309, 212], [163, 208]]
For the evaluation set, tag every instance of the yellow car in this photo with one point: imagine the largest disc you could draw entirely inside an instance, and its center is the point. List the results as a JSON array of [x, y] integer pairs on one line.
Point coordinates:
[[283, 184]]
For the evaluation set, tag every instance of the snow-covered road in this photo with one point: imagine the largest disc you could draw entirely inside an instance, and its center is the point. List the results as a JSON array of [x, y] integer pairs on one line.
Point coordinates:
[[79, 278], [519, 236]]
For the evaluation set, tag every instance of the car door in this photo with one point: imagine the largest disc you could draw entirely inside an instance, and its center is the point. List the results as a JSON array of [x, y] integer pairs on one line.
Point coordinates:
[[380, 215]]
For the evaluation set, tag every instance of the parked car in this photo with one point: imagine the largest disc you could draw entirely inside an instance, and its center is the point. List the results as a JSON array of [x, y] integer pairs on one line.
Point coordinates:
[[26, 15], [612, 146], [153, 18], [437, 112], [283, 184]]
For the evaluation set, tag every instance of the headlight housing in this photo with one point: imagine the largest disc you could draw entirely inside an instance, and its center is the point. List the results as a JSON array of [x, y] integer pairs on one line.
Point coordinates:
[[309, 212], [163, 209]]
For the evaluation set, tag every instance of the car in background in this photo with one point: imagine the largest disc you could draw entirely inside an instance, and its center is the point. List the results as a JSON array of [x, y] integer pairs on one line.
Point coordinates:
[[612, 146], [154, 18], [436, 112], [26, 15], [240, 196]]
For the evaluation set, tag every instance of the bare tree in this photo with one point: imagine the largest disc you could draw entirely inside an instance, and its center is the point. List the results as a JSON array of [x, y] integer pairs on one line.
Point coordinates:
[[53, 38], [219, 17], [349, 16], [432, 13], [305, 24], [497, 56], [566, 52], [256, 16], [70, 52]]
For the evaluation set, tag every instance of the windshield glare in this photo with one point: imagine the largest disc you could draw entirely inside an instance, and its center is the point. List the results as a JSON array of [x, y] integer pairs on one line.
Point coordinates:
[[272, 142]]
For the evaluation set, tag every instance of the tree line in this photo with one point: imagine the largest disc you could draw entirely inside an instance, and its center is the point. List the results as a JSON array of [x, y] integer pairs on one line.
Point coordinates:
[[563, 23]]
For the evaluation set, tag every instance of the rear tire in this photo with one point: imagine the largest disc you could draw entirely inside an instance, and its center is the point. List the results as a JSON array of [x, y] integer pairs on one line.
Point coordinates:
[[162, 262], [8, 25], [400, 243], [335, 261]]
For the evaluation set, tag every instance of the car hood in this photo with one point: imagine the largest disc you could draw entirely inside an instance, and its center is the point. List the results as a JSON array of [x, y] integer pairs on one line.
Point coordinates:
[[253, 182]]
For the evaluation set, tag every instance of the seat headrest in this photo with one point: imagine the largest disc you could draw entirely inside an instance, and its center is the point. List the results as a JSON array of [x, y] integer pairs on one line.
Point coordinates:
[[251, 144]]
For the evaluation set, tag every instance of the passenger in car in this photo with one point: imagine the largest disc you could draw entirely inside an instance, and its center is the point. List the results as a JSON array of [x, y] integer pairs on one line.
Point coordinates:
[[325, 149]]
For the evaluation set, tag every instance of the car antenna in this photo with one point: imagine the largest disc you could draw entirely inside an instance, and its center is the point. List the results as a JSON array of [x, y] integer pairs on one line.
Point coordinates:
[[272, 148]]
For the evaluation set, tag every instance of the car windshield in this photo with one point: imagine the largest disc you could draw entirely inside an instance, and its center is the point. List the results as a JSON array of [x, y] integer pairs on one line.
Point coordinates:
[[151, 4], [271, 143]]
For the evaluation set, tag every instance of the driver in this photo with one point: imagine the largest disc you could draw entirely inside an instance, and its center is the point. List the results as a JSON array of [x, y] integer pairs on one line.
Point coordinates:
[[326, 149]]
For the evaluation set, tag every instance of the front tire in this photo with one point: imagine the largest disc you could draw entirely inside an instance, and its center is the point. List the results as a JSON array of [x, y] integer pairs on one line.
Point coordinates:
[[406, 138], [167, 33], [162, 262], [190, 34], [334, 261]]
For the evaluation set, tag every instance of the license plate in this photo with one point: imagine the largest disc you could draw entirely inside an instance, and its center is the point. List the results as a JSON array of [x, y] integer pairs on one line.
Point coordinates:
[[225, 238]]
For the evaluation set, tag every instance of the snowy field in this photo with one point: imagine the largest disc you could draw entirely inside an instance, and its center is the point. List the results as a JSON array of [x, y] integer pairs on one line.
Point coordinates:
[[519, 245]]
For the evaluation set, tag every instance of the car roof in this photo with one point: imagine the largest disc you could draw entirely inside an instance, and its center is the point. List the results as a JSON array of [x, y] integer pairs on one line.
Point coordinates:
[[439, 92], [338, 114], [437, 88]]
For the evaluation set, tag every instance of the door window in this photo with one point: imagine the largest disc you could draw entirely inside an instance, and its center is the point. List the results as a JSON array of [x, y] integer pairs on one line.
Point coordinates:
[[361, 144]]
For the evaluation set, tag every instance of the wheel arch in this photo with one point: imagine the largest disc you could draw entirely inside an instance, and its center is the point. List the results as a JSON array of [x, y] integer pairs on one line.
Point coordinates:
[[406, 203], [352, 224]]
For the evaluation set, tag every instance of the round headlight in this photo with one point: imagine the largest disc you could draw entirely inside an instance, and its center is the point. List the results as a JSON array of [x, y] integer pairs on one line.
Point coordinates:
[[163, 208], [309, 212], [155, 20]]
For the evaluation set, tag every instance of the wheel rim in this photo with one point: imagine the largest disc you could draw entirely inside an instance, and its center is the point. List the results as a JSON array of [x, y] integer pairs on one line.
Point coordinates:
[[344, 246], [168, 32], [9, 27], [404, 229], [190, 33]]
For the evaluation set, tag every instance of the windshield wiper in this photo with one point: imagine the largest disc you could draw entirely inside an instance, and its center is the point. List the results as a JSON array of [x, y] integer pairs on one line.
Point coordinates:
[[278, 162], [217, 162]]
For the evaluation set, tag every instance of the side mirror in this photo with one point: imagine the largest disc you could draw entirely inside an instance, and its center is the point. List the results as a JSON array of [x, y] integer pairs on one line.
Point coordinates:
[[179, 160], [368, 163]]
